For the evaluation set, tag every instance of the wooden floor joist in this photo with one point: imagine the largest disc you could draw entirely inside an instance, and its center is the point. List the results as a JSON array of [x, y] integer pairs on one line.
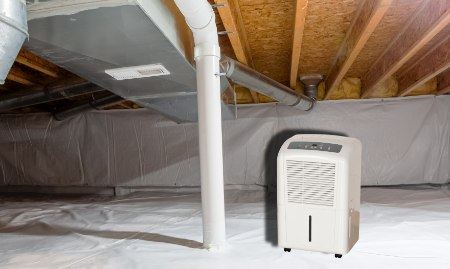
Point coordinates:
[[366, 20], [34, 62], [230, 14], [429, 20], [444, 82], [432, 64], [20, 77], [299, 26]]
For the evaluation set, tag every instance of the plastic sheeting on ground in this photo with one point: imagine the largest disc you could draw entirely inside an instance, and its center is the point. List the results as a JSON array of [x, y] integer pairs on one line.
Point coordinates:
[[405, 141], [400, 228]]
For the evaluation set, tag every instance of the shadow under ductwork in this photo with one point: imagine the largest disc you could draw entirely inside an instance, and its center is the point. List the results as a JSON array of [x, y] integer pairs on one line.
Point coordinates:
[[48, 94], [94, 104]]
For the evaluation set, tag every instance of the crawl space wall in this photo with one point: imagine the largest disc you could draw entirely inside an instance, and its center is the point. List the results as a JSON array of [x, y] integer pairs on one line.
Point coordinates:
[[405, 141]]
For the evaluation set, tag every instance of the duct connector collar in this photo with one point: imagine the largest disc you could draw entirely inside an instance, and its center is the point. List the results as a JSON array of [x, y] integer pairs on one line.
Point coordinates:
[[13, 32]]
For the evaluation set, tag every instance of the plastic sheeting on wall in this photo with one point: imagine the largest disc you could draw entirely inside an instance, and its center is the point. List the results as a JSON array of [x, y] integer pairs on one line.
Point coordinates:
[[405, 141]]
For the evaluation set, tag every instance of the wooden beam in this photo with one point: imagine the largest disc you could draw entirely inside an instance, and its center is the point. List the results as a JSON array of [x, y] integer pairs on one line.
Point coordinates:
[[20, 77], [232, 20], [29, 59], [126, 104], [299, 27], [444, 82], [59, 83], [364, 23], [432, 64], [429, 20]]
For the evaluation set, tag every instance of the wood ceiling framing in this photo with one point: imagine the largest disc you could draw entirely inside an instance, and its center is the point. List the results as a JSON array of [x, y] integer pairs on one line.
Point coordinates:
[[364, 48]]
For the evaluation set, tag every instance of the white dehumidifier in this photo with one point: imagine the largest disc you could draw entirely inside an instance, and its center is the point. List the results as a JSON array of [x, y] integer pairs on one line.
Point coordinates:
[[318, 190]]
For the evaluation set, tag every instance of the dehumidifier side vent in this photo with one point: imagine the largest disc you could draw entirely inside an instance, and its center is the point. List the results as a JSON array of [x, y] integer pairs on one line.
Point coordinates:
[[310, 182]]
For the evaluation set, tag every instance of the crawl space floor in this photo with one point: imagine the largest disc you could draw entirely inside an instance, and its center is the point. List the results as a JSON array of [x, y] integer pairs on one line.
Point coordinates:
[[400, 228]]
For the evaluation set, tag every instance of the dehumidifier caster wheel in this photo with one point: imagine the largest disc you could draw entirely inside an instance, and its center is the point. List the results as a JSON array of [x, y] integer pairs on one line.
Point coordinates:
[[338, 256], [287, 250]]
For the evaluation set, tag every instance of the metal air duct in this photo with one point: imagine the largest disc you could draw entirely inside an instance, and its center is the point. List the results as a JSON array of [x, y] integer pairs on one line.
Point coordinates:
[[245, 76], [104, 41], [13, 32]]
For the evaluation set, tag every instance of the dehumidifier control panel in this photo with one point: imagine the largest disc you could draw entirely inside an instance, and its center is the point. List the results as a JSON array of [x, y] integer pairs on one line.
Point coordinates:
[[316, 146]]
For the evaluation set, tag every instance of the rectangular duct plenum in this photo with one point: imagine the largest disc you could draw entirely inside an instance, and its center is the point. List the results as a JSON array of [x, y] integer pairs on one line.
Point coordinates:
[[89, 37]]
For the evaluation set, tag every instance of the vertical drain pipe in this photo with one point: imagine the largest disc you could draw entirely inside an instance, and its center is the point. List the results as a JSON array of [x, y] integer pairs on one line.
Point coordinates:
[[201, 20]]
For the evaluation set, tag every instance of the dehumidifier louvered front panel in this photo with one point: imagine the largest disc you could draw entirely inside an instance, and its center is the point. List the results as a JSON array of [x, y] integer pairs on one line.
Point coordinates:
[[310, 182], [318, 183]]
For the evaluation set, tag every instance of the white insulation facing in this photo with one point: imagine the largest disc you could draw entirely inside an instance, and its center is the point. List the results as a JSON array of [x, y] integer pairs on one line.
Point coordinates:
[[405, 141]]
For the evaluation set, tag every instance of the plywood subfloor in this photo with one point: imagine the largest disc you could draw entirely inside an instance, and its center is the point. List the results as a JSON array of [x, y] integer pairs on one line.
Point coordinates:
[[391, 24], [325, 28], [269, 26]]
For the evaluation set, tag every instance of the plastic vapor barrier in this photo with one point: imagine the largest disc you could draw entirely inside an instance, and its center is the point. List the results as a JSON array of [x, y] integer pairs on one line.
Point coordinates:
[[405, 141]]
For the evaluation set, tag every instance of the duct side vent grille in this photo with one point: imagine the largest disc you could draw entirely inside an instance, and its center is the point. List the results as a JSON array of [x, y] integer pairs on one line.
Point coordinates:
[[141, 71], [310, 182]]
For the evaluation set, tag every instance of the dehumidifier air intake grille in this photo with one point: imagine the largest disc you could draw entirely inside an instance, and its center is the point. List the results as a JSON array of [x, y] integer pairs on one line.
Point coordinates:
[[310, 182]]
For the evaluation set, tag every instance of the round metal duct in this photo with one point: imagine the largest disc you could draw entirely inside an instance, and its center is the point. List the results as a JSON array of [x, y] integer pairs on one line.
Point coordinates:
[[252, 79], [13, 32]]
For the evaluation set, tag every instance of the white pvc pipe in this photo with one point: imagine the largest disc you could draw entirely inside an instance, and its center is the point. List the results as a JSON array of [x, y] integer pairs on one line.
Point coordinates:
[[201, 19]]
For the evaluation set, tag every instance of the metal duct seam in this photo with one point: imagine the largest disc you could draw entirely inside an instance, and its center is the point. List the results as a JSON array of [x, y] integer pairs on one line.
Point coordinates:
[[13, 32]]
